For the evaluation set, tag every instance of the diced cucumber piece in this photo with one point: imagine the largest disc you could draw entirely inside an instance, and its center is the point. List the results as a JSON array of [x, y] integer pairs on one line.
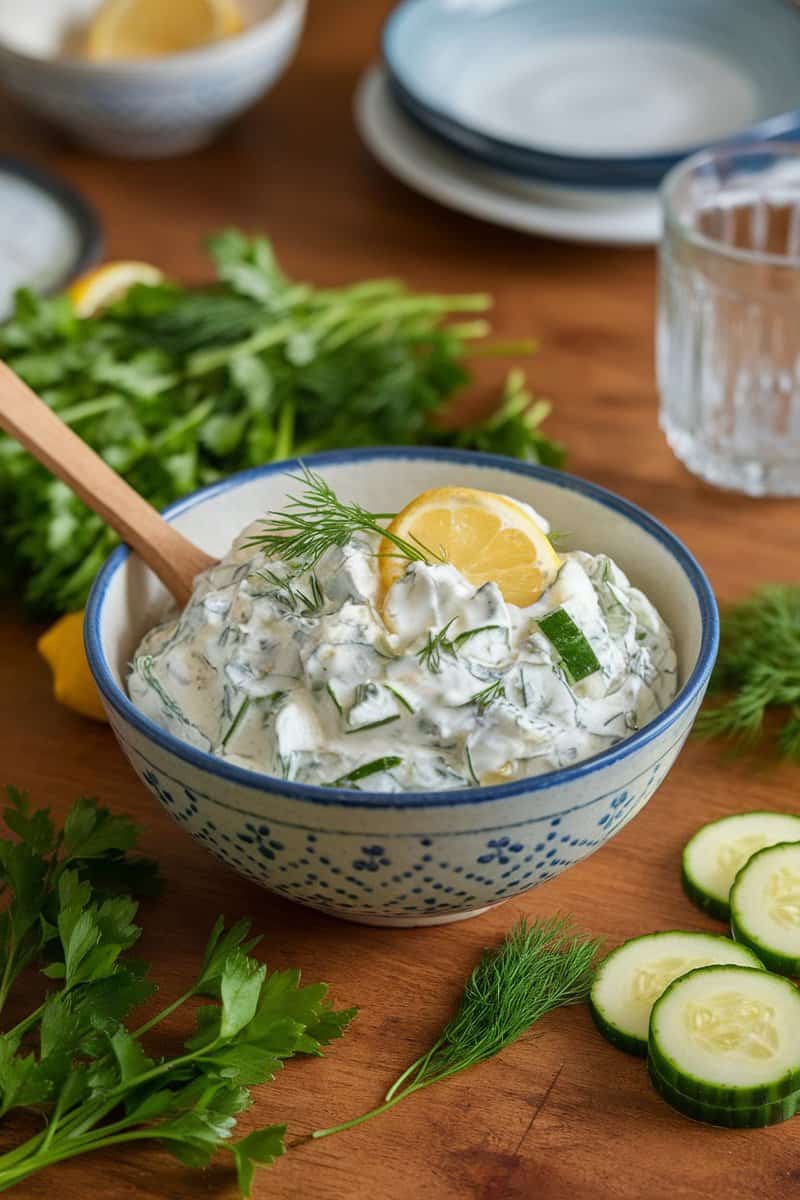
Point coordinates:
[[728, 1036], [630, 980], [765, 907], [717, 851], [732, 1118]]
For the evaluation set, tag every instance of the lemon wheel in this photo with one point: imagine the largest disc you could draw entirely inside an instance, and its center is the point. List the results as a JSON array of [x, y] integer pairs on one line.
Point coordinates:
[[131, 29], [487, 537]]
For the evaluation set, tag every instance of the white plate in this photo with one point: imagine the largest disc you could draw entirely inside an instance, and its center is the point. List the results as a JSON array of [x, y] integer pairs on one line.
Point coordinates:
[[622, 218]]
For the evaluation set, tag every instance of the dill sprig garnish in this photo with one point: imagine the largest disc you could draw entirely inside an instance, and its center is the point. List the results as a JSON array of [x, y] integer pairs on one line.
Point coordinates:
[[539, 967], [317, 519], [436, 645], [758, 668], [482, 699]]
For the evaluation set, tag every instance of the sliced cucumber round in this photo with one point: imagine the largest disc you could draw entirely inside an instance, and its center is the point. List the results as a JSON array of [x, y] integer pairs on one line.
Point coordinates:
[[630, 980], [717, 851], [728, 1036], [732, 1118], [765, 907]]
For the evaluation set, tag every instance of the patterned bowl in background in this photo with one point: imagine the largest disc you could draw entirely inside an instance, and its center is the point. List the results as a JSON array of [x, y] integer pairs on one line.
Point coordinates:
[[152, 108], [411, 858]]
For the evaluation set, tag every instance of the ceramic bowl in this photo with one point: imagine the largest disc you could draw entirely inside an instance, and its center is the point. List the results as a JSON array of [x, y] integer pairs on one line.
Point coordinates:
[[143, 109], [603, 94], [411, 858]]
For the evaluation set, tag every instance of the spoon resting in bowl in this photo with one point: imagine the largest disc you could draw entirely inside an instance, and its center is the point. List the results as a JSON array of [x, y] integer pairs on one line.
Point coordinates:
[[172, 557]]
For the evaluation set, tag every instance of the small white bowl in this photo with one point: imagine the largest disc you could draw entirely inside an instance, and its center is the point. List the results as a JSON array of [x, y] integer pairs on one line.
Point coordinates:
[[411, 858], [142, 109]]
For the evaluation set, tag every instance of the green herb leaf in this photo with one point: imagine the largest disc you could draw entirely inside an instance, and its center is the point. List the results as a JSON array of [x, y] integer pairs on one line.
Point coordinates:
[[257, 1149]]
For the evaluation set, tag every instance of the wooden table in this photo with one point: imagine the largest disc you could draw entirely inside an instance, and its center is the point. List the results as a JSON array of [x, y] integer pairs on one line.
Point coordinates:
[[561, 1115]]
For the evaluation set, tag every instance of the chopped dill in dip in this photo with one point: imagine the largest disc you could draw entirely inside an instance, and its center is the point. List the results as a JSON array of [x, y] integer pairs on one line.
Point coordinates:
[[310, 675]]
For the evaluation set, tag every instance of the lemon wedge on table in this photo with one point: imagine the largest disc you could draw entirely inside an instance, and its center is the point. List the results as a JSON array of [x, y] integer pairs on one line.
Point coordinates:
[[487, 537], [73, 686], [97, 289], [126, 29]]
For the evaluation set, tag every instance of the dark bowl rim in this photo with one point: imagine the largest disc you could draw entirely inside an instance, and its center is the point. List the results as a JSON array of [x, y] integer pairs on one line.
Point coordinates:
[[629, 171], [261, 782]]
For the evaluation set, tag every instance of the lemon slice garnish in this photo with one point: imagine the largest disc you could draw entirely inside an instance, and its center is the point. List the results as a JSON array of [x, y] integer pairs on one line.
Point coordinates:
[[485, 536], [125, 29], [98, 288]]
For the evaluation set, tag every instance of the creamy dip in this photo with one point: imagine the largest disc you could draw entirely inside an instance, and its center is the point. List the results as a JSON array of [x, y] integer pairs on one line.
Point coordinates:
[[307, 677]]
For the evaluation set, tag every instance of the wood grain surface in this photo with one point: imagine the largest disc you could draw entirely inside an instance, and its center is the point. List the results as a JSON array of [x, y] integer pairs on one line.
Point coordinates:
[[561, 1115]]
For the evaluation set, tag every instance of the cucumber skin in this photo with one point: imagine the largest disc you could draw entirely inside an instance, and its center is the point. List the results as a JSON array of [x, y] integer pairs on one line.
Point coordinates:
[[720, 909], [754, 1117], [612, 1033], [773, 960], [622, 1041], [713, 1094]]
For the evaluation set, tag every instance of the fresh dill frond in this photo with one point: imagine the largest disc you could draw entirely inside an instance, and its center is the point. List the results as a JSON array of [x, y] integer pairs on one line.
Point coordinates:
[[539, 967], [316, 519], [437, 644], [482, 699], [313, 601], [757, 670]]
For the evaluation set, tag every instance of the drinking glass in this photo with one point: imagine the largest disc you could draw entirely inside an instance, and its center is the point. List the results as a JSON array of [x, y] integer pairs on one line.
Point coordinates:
[[728, 334]]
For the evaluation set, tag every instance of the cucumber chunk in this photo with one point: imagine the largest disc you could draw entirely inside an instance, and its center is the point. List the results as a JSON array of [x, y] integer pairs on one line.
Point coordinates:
[[632, 977], [716, 852], [732, 1118], [728, 1036], [765, 907]]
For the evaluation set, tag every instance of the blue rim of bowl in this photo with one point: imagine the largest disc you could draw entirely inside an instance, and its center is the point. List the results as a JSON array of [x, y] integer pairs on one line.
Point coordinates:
[[607, 171], [84, 217], [259, 781]]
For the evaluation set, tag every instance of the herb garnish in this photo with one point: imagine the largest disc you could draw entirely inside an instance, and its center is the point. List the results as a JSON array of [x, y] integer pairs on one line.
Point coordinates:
[[317, 519], [76, 1061], [491, 693], [758, 669], [539, 967], [237, 720], [371, 768], [572, 646], [436, 645]]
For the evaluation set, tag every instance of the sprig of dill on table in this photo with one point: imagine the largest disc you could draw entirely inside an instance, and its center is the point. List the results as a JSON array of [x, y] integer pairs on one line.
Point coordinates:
[[758, 669], [540, 966], [315, 519]]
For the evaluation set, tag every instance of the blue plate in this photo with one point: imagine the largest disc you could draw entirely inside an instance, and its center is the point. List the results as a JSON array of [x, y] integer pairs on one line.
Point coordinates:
[[597, 93]]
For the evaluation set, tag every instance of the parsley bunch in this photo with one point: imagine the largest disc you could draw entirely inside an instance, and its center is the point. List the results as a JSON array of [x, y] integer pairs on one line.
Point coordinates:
[[177, 388], [76, 1059]]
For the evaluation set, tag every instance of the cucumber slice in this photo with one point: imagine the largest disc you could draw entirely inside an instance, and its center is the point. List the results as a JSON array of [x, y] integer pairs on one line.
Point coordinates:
[[717, 851], [632, 977], [728, 1036], [765, 907], [732, 1118]]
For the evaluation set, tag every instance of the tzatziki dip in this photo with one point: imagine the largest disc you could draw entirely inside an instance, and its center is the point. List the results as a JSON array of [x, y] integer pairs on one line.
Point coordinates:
[[319, 674]]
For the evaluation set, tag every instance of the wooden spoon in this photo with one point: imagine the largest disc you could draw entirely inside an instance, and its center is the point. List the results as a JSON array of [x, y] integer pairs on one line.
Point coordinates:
[[174, 559]]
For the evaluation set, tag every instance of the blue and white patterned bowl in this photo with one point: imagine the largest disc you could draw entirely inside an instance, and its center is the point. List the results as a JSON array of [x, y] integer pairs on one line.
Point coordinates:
[[144, 109], [413, 858], [595, 93]]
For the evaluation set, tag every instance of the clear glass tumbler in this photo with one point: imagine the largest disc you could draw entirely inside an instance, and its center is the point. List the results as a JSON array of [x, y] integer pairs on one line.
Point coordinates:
[[728, 337]]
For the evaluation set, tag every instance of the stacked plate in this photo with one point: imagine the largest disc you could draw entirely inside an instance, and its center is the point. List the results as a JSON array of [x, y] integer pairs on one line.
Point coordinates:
[[560, 117]]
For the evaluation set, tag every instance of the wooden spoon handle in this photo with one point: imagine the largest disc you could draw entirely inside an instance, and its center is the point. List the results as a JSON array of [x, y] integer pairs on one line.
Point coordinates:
[[173, 558]]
